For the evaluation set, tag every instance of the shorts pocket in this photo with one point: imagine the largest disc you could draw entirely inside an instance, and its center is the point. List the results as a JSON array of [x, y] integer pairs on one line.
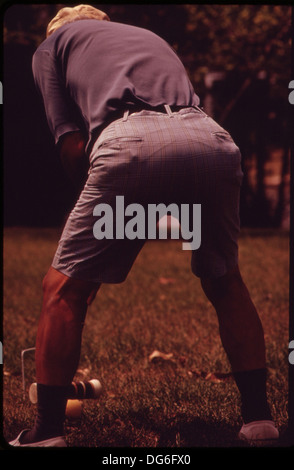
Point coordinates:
[[115, 142], [222, 135]]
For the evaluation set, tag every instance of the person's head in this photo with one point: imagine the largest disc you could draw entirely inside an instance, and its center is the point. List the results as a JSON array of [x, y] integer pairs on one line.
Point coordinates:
[[69, 15]]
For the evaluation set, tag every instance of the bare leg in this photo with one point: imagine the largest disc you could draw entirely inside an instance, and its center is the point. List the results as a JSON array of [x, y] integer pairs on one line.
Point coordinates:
[[240, 327], [243, 340], [58, 343]]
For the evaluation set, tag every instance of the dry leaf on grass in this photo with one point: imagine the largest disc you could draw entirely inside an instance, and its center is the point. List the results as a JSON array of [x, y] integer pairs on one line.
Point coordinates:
[[157, 354], [215, 377]]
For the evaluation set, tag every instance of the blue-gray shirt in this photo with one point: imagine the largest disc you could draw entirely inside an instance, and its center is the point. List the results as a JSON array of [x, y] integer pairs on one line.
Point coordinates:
[[88, 70]]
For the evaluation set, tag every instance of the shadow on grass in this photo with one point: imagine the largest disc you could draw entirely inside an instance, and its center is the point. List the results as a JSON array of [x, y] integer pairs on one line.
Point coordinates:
[[136, 433], [197, 433]]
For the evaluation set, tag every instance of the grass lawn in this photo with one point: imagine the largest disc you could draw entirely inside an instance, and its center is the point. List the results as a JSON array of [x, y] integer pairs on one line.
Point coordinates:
[[184, 397]]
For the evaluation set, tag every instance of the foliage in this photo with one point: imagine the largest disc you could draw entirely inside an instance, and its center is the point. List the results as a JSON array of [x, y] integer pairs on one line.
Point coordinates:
[[208, 37], [251, 38]]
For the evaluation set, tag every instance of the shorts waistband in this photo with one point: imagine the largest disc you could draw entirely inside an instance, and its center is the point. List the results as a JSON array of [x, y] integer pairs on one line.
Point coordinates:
[[164, 109], [125, 112], [158, 109]]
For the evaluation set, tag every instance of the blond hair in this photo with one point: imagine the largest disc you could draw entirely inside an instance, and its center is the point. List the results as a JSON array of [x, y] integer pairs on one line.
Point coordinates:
[[69, 15]]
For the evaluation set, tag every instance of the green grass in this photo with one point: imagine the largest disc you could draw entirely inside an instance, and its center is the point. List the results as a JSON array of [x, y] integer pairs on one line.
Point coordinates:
[[149, 403]]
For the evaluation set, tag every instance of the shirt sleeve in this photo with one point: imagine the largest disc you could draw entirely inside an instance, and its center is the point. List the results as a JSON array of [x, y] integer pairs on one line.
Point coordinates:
[[57, 105]]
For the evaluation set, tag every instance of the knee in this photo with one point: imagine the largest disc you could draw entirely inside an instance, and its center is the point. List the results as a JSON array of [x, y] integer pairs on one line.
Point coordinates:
[[219, 288], [57, 287], [49, 284], [54, 285]]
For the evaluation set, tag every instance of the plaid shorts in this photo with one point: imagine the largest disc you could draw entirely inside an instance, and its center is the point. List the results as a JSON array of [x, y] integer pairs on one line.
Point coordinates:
[[151, 157]]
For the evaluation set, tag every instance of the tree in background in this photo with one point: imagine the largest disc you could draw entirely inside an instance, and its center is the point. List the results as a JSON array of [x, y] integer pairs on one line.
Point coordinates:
[[251, 46], [238, 58]]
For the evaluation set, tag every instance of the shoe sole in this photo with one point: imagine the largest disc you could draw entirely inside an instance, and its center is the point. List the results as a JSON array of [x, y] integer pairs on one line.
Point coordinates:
[[53, 442]]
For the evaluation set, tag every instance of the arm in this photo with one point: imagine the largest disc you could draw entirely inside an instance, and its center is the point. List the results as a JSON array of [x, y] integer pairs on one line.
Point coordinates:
[[62, 116], [59, 108], [73, 157]]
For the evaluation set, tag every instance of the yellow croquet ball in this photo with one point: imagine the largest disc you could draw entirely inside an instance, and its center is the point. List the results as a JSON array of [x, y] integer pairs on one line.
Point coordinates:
[[73, 409]]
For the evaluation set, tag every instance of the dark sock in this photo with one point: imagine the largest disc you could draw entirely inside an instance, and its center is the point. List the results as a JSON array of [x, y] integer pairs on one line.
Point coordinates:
[[50, 414], [252, 387]]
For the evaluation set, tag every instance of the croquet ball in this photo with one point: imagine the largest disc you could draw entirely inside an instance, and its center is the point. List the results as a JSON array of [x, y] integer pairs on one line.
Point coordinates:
[[73, 409], [33, 396], [97, 387]]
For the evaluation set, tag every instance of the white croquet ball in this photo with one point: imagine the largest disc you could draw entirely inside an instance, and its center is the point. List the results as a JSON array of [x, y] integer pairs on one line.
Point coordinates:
[[97, 387], [33, 396]]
